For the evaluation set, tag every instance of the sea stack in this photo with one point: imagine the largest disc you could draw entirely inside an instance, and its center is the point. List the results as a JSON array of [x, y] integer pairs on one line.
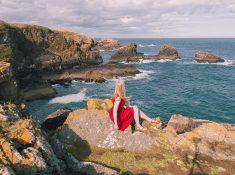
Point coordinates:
[[206, 57], [126, 53], [168, 52]]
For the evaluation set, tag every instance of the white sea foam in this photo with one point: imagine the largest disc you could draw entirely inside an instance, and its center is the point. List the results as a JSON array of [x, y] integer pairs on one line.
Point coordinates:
[[141, 61], [164, 60], [144, 74], [81, 96], [225, 63], [147, 45], [56, 85], [82, 81]]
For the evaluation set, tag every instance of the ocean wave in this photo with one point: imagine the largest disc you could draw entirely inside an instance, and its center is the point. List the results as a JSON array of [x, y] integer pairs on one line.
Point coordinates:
[[164, 60], [78, 97], [225, 63], [147, 45], [144, 74], [141, 61], [82, 81]]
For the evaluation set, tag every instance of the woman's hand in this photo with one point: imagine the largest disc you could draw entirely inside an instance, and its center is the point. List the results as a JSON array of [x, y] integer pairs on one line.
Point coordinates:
[[127, 102]]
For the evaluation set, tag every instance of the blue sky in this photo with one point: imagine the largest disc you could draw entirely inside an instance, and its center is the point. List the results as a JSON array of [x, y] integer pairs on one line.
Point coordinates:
[[127, 18]]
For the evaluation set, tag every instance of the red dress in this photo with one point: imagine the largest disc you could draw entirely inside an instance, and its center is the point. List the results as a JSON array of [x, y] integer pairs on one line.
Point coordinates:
[[125, 115]]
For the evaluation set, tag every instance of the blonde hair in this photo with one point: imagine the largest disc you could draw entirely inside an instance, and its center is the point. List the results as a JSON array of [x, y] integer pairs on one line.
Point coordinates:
[[120, 90]]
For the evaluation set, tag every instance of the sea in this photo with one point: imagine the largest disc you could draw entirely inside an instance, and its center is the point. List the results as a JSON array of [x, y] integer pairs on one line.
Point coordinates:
[[164, 87]]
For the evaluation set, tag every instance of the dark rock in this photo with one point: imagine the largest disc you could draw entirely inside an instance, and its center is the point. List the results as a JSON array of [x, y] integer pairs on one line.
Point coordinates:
[[56, 119], [97, 74], [206, 57], [126, 53], [39, 92]]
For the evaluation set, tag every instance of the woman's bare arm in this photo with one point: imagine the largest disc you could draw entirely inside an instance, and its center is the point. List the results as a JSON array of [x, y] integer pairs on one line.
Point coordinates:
[[115, 111]]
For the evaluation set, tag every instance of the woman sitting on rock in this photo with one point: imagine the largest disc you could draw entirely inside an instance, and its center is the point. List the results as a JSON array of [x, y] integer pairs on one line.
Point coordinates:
[[122, 114]]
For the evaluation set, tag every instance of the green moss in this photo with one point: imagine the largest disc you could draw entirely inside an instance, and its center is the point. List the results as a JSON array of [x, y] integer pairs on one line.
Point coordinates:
[[126, 162], [81, 150], [216, 170], [5, 52]]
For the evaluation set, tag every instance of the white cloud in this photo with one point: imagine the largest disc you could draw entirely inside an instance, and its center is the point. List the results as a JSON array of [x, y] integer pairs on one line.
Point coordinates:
[[127, 18]]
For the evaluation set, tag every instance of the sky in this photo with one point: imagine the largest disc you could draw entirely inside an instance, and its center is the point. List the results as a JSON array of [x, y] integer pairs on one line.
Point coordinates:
[[128, 18]]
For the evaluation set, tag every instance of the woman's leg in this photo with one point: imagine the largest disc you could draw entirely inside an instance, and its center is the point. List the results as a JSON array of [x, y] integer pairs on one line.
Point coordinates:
[[136, 116], [144, 116]]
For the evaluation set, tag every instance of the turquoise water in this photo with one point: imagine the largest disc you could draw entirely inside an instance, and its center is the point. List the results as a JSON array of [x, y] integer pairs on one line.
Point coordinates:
[[205, 91]]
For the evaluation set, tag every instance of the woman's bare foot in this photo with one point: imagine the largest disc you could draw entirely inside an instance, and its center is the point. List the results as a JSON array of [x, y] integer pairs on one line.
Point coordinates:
[[140, 128]]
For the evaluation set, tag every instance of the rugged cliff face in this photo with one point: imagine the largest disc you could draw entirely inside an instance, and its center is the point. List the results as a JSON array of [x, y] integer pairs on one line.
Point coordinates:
[[8, 85], [30, 50], [36, 47]]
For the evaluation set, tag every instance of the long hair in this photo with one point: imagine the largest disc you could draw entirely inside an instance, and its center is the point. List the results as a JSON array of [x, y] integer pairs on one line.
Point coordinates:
[[120, 90]]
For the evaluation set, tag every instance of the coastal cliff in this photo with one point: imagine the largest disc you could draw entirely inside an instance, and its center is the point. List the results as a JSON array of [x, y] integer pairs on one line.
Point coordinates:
[[84, 141], [33, 52]]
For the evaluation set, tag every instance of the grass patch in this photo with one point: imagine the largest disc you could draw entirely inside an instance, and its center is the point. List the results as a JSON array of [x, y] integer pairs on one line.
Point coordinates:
[[126, 162], [6, 52]]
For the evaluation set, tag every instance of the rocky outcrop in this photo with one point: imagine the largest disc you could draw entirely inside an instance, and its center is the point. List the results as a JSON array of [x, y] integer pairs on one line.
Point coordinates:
[[130, 54], [36, 47], [167, 52], [206, 57], [89, 135], [56, 119], [183, 124], [30, 50], [107, 44], [39, 92], [9, 89], [24, 149], [97, 74], [126, 53]]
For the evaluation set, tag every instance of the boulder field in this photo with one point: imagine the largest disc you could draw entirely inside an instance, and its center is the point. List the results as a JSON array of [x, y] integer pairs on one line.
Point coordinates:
[[129, 54], [184, 146], [206, 57]]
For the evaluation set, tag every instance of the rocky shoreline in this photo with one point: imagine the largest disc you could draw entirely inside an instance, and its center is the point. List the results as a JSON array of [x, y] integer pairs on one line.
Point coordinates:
[[83, 141]]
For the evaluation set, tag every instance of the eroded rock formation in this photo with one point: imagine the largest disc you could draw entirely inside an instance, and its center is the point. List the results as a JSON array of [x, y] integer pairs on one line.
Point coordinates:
[[167, 52], [126, 53], [97, 74], [206, 57]]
